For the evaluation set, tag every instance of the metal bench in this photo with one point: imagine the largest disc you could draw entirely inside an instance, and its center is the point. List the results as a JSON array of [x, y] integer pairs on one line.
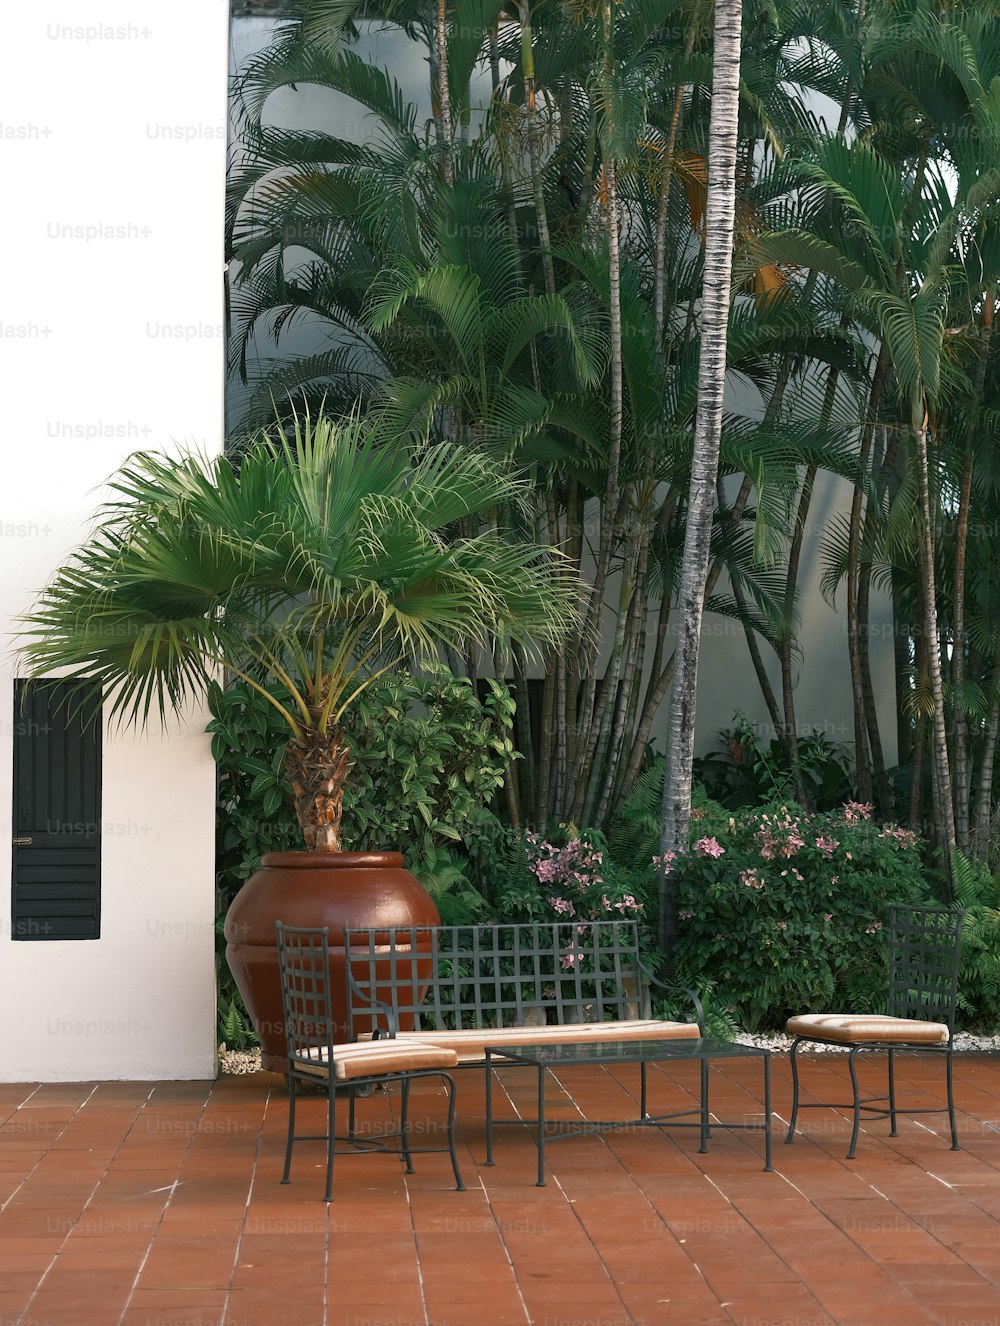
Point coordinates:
[[468, 986]]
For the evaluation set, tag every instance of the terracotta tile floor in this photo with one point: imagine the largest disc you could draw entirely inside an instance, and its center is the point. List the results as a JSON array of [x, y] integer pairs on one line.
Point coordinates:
[[158, 1204]]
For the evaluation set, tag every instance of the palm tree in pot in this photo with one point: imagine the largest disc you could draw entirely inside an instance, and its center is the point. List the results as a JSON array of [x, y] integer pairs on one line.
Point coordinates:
[[317, 560]]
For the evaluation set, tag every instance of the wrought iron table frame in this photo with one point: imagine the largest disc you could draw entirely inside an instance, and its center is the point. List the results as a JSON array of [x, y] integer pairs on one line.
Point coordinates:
[[565, 1054]]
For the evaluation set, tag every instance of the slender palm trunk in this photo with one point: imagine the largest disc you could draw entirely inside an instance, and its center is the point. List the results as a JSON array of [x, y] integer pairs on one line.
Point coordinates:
[[984, 790], [534, 144], [960, 737], [719, 229], [855, 626], [444, 92], [941, 782], [610, 523], [663, 200]]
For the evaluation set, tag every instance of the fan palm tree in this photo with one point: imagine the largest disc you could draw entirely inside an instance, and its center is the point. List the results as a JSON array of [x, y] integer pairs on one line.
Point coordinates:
[[320, 562]]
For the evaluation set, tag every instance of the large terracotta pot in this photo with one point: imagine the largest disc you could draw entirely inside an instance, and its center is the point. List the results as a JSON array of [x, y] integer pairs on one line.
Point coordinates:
[[332, 889]]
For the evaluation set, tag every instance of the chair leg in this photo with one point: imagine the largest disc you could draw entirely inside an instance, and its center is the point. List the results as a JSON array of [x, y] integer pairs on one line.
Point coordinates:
[[892, 1094], [857, 1103], [951, 1102], [331, 1134], [449, 1082], [291, 1128], [404, 1110], [351, 1096], [794, 1062]]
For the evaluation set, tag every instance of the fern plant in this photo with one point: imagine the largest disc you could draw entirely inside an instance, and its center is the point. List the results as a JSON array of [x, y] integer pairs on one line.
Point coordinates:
[[978, 892]]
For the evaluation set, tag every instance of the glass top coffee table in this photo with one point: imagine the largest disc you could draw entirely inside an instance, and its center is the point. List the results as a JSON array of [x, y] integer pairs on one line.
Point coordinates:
[[552, 1055]]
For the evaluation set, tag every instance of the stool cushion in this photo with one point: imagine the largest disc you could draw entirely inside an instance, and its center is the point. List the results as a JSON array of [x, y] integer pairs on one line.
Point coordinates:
[[866, 1028], [374, 1058]]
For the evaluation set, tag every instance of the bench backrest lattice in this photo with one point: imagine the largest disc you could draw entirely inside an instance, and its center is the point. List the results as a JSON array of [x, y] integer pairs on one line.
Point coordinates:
[[474, 976], [924, 945]]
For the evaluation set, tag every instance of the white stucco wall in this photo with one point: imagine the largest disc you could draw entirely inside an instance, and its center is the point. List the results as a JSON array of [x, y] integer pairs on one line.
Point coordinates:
[[113, 119]]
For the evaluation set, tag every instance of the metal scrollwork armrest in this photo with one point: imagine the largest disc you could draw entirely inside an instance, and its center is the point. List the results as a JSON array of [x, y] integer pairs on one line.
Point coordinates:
[[385, 1011], [671, 987]]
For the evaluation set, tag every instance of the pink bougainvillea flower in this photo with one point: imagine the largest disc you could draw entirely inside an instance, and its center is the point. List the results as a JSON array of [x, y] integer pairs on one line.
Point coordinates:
[[666, 861], [563, 906], [827, 845], [709, 847], [905, 837]]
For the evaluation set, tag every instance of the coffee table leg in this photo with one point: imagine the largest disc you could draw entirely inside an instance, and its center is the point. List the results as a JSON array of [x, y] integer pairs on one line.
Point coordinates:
[[767, 1112], [489, 1109], [541, 1127], [704, 1106]]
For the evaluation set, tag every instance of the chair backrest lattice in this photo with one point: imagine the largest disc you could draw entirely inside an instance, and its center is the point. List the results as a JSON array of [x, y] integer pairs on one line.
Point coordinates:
[[304, 971], [924, 950], [472, 976]]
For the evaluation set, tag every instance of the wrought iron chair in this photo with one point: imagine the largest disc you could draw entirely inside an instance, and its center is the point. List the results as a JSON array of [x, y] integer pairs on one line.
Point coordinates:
[[924, 945], [303, 964]]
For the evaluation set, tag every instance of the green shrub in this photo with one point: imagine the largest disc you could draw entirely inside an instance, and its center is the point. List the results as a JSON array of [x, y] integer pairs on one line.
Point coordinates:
[[782, 911]]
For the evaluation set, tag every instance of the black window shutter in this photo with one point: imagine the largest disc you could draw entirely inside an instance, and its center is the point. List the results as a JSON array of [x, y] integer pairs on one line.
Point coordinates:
[[56, 890]]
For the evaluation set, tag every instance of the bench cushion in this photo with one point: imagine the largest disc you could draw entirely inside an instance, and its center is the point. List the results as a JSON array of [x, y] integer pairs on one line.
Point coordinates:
[[866, 1028], [470, 1043], [373, 1058]]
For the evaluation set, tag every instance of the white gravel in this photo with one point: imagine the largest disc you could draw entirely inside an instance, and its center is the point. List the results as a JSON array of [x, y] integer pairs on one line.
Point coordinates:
[[248, 1061], [779, 1043], [232, 1062]]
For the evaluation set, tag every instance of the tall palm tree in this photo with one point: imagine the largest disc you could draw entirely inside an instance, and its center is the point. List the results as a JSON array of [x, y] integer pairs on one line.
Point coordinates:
[[321, 561], [714, 316]]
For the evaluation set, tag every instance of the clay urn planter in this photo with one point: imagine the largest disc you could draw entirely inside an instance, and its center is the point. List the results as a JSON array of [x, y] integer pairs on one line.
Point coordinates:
[[332, 889]]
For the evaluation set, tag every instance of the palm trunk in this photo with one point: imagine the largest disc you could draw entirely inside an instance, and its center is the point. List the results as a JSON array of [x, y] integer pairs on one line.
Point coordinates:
[[942, 795], [444, 91], [611, 522], [960, 743], [959, 725], [854, 623], [522, 727], [663, 202], [534, 147], [316, 765], [719, 229], [590, 762], [984, 789], [626, 703], [789, 724], [656, 689]]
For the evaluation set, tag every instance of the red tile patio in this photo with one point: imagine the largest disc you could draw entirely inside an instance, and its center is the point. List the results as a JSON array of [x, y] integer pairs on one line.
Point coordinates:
[[158, 1204]]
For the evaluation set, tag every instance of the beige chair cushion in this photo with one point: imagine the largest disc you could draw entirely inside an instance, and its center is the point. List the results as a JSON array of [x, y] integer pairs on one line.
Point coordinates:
[[864, 1028], [470, 1044], [373, 1058]]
